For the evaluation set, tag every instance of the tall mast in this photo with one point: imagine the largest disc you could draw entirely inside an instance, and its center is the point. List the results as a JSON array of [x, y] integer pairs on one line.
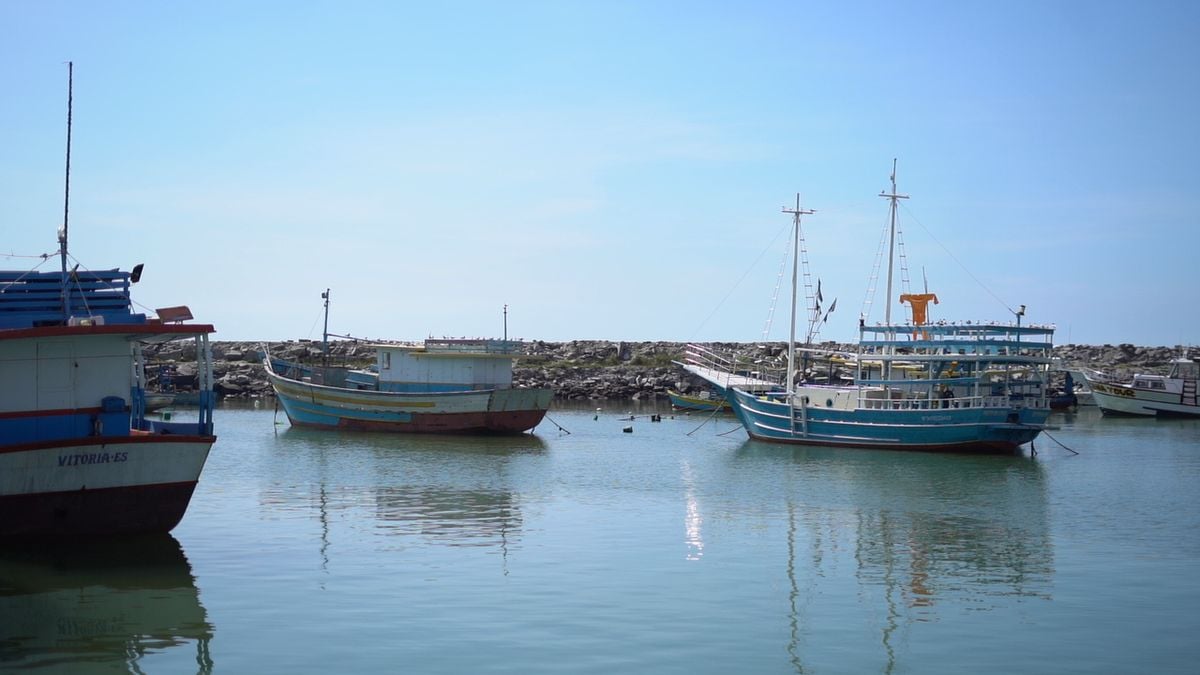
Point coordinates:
[[893, 196], [62, 234], [796, 213]]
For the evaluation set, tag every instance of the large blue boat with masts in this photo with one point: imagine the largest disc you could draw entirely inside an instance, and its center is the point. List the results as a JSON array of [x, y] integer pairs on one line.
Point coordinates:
[[918, 385]]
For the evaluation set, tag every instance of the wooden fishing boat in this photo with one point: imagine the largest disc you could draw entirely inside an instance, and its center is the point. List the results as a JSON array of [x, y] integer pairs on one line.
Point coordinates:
[[435, 386]]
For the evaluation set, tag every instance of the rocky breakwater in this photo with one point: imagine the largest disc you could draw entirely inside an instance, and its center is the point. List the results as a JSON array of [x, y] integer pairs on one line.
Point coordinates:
[[599, 369], [1122, 360], [575, 370], [580, 369], [238, 366]]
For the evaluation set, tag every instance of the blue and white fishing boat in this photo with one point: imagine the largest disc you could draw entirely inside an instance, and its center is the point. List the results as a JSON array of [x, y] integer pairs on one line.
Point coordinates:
[[78, 453], [918, 385], [436, 386]]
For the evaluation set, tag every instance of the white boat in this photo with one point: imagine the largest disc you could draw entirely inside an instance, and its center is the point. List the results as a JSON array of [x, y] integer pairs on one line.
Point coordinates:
[[1170, 395], [78, 455]]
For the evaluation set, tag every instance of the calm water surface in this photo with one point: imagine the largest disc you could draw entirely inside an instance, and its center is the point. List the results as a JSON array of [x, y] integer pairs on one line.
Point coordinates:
[[677, 548]]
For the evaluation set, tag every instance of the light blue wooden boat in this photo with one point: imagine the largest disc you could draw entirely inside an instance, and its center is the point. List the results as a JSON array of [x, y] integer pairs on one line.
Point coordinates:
[[437, 386], [455, 386]]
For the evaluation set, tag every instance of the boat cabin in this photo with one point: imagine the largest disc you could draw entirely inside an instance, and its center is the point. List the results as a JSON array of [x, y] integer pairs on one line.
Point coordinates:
[[444, 365], [71, 358], [1151, 382], [1181, 369], [1184, 369]]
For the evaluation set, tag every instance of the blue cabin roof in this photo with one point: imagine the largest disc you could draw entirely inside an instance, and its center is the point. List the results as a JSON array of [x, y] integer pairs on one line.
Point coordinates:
[[33, 299]]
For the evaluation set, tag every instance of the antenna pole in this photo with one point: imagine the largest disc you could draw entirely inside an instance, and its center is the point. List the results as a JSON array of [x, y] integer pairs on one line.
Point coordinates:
[[506, 323], [796, 213], [325, 335], [62, 234]]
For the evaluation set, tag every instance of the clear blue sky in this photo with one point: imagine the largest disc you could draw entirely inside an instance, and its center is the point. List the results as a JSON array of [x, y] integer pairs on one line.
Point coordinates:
[[610, 170]]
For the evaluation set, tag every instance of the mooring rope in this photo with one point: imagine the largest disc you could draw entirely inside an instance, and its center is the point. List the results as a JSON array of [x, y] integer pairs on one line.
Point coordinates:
[[1064, 447], [706, 421], [560, 427]]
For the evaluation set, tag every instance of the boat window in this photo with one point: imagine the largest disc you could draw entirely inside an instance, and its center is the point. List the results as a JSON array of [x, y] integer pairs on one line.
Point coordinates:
[[387, 360], [1158, 385]]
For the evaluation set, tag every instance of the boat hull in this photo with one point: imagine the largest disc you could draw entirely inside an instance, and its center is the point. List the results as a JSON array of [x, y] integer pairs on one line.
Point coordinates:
[[1068, 402], [158, 400], [684, 402], [491, 411], [99, 485], [981, 429]]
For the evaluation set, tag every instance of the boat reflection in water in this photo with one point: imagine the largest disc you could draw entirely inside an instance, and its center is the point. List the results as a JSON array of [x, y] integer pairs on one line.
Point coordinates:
[[446, 490], [926, 536], [111, 606], [478, 517]]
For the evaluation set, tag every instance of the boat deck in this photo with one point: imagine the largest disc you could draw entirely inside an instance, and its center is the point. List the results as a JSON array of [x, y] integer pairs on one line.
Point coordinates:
[[725, 380]]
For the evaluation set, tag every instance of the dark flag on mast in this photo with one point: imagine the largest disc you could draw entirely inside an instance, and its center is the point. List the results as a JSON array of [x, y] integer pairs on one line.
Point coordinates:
[[831, 308]]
